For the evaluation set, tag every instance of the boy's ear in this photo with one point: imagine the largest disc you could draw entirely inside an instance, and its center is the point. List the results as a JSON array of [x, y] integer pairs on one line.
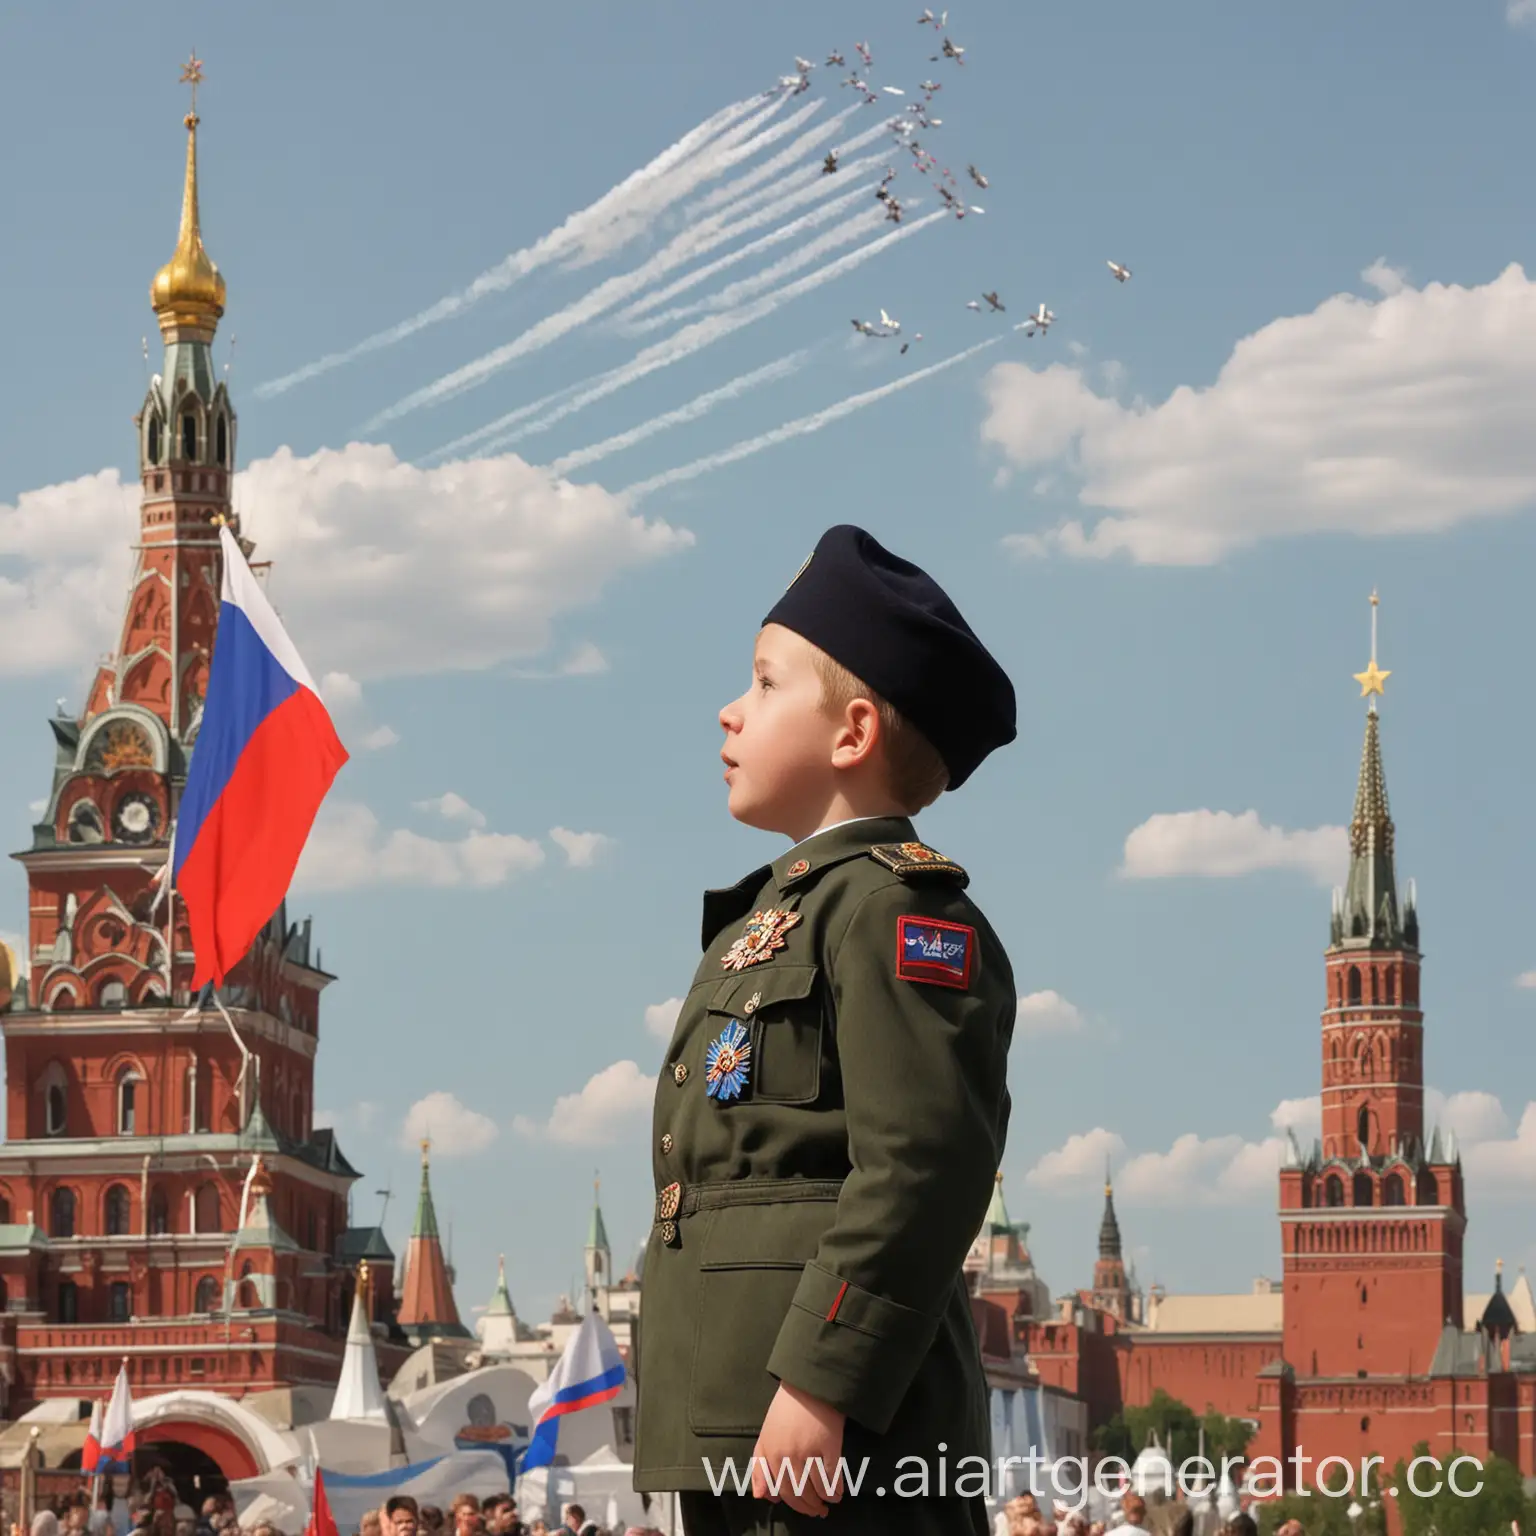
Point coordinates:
[[859, 735]]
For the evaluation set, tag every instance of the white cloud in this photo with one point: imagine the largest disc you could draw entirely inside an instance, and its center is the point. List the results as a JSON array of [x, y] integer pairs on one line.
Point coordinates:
[[453, 807], [1505, 1166], [1526, 979], [1303, 1116], [453, 1129], [661, 1018], [1521, 13], [1221, 845], [366, 580], [1047, 1013], [1473, 1115], [608, 1108], [1078, 1164], [348, 849], [585, 661], [362, 1116], [343, 696], [1384, 277], [37, 807], [581, 848], [1394, 415]]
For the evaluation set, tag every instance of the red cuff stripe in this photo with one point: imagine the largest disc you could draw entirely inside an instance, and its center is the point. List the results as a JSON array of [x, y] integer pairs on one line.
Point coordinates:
[[837, 1301]]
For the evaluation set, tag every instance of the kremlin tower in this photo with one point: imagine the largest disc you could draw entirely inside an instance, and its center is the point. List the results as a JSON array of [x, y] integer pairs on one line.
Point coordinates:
[[427, 1308], [164, 1193]]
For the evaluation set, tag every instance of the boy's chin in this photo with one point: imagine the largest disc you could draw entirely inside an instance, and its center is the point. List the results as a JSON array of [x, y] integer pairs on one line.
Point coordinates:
[[751, 813]]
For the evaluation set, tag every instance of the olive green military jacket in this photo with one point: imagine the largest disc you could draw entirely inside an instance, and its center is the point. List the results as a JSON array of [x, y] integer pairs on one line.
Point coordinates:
[[829, 1122]]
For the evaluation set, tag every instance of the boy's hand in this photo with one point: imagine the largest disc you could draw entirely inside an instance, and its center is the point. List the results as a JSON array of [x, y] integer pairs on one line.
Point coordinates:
[[801, 1441]]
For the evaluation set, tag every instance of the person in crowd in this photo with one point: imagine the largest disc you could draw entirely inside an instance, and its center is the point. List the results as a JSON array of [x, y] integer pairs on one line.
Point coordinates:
[[1134, 1508], [401, 1516], [371, 1524], [431, 1521]]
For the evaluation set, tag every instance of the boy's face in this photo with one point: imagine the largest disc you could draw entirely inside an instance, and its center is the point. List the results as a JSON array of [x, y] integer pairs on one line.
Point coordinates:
[[779, 740]]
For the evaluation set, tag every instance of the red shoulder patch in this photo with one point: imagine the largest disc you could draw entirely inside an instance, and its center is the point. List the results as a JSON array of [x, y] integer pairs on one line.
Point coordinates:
[[936, 952]]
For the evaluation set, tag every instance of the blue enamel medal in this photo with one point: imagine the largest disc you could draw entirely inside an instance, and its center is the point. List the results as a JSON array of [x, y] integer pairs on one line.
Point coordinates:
[[726, 1062]]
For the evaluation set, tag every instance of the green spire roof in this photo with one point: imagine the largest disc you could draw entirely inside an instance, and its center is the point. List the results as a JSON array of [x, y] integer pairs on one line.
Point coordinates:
[[597, 1233], [501, 1298], [997, 1212], [426, 1212]]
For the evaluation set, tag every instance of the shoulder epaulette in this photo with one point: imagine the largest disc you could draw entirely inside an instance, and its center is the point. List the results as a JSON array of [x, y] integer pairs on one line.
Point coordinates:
[[916, 861]]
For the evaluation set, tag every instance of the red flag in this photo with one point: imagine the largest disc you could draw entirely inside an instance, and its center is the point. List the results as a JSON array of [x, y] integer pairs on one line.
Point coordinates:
[[321, 1521]]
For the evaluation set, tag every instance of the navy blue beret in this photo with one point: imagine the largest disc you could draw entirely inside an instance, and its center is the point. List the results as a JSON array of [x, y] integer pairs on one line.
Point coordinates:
[[894, 627]]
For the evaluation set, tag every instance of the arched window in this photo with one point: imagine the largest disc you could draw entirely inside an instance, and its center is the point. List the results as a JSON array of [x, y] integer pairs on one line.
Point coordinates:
[[250, 1297], [113, 994], [61, 1213], [1352, 991], [69, 1302], [221, 442], [1363, 1127], [119, 1302], [1333, 1190], [1427, 1193], [1392, 1190], [159, 1212], [118, 1211], [207, 1295], [205, 1209], [55, 1103], [85, 823], [1365, 1189], [152, 440], [1391, 985], [189, 436], [128, 1082]]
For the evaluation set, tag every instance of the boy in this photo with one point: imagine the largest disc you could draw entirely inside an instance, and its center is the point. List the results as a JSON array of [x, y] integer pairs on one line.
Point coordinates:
[[832, 1108]]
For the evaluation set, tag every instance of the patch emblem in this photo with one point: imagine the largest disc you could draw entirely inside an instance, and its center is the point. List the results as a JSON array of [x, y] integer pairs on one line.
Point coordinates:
[[928, 950], [759, 939], [798, 868], [920, 853], [727, 1061]]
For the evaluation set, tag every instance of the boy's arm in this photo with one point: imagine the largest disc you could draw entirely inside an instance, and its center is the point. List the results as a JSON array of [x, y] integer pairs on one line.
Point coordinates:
[[924, 1074]]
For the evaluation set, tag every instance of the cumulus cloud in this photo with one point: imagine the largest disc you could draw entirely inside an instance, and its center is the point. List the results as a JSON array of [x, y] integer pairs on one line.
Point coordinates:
[[1385, 278], [1505, 1165], [1047, 1013], [1078, 1164], [581, 848], [1393, 415], [1475, 1116], [362, 1116], [348, 848], [609, 1107], [1521, 13], [453, 807], [1221, 845], [453, 1129], [379, 568], [343, 696], [1526, 979], [661, 1018]]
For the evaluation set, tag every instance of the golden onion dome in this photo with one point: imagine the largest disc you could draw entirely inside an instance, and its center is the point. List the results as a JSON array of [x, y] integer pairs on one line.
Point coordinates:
[[188, 291]]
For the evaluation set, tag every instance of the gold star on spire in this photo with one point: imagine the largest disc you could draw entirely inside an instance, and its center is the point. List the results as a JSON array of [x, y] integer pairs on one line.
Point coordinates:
[[1373, 677], [192, 74]]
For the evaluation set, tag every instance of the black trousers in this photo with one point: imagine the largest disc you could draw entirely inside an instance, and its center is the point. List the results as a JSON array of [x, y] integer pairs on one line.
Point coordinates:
[[706, 1514]]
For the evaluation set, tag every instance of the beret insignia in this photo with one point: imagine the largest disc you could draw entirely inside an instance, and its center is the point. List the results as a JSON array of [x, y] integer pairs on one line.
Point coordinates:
[[917, 861]]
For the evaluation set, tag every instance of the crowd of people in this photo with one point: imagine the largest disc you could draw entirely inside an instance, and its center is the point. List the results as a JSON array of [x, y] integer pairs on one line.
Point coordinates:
[[1022, 1516]]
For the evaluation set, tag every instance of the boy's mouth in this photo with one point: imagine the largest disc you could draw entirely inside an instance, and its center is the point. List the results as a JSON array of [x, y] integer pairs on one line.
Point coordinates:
[[729, 762]]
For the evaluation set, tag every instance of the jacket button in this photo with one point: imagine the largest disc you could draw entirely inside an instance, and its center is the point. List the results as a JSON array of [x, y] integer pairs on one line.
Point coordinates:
[[666, 1143], [680, 1073]]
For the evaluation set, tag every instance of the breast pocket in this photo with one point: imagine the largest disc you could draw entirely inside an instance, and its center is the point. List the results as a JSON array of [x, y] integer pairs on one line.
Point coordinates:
[[781, 1011]]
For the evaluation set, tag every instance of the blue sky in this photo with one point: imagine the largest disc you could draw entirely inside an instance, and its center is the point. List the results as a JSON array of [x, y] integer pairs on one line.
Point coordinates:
[[1165, 516]]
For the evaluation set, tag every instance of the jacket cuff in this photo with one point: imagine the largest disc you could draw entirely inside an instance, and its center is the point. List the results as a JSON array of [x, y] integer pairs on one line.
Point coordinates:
[[850, 1348]]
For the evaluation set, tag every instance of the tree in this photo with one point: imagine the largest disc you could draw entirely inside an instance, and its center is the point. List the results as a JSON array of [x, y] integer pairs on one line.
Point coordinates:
[[1500, 1498], [1178, 1431], [1324, 1510]]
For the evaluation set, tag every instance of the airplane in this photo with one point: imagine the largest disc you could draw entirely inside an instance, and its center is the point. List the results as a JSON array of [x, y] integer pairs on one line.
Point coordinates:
[[865, 328], [996, 302], [925, 18], [1039, 321], [977, 177], [830, 163], [930, 122], [803, 65], [1121, 273], [928, 87], [947, 195], [906, 344], [949, 51], [863, 52], [794, 84], [893, 210], [889, 177], [834, 58], [893, 326]]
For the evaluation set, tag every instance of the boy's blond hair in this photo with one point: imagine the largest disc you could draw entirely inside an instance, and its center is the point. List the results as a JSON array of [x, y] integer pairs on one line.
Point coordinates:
[[916, 771]]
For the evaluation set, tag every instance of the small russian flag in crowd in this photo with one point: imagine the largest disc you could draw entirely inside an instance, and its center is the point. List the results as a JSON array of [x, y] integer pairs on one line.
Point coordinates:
[[590, 1371], [109, 1442], [265, 756]]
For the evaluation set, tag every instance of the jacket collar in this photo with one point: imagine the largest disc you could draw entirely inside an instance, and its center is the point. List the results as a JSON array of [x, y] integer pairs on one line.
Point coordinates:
[[846, 841]]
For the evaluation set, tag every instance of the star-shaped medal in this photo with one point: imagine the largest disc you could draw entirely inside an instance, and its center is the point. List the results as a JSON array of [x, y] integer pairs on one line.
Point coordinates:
[[763, 935]]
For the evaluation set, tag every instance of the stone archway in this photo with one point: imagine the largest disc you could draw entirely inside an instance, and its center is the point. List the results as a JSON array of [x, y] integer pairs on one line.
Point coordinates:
[[220, 1445]]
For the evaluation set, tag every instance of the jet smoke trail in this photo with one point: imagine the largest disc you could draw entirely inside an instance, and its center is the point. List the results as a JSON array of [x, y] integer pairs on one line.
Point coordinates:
[[800, 427], [703, 333], [683, 248], [700, 405], [636, 194]]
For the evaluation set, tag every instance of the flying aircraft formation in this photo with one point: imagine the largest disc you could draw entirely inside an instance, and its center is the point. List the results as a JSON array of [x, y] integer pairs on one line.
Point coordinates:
[[904, 129]]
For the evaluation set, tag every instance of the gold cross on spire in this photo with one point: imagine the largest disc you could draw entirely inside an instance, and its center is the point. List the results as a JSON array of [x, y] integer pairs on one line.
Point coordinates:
[[1373, 677], [192, 74]]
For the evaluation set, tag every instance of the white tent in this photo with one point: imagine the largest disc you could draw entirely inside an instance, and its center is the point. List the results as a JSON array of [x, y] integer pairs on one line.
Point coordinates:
[[601, 1478]]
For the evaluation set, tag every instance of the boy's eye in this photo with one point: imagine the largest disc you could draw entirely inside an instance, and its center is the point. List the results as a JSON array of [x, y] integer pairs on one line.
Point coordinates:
[[763, 681]]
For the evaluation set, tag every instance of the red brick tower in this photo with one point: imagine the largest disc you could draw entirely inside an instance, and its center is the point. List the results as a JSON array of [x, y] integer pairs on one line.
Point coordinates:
[[1111, 1286], [141, 1140], [427, 1308], [1372, 1219]]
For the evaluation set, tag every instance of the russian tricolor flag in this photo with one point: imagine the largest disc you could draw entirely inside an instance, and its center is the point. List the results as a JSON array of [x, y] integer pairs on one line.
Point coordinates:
[[109, 1442], [265, 756], [590, 1371]]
